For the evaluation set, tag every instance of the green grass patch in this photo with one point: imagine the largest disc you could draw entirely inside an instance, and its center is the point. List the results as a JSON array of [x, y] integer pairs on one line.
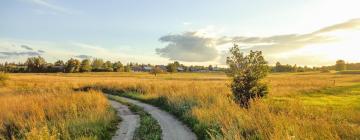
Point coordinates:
[[149, 128], [349, 72], [337, 97], [341, 97]]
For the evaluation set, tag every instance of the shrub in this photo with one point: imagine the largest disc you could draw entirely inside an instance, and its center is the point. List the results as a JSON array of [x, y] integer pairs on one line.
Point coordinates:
[[247, 71]]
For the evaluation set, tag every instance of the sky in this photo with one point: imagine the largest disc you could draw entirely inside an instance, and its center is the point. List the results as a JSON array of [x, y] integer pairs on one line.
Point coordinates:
[[194, 32]]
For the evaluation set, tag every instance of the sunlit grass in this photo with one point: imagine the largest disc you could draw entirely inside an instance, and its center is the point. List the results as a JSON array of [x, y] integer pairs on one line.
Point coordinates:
[[40, 110], [299, 106]]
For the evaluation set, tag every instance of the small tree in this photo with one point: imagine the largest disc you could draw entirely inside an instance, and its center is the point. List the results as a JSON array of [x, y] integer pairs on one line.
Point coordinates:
[[171, 67], [156, 70], [247, 71], [127, 68], [211, 68], [85, 65], [108, 66], [118, 66], [340, 65], [36, 64], [97, 64], [59, 63], [72, 65]]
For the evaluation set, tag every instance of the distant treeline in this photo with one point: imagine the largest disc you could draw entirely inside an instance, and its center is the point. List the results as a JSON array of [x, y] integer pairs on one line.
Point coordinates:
[[39, 64], [292, 68], [340, 65]]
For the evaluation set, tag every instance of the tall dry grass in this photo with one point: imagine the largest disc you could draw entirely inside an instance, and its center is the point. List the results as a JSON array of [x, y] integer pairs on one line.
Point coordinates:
[[204, 101], [36, 109], [207, 106]]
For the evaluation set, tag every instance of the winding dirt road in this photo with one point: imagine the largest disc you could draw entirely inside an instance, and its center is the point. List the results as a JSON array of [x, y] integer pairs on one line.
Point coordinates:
[[172, 129], [129, 122]]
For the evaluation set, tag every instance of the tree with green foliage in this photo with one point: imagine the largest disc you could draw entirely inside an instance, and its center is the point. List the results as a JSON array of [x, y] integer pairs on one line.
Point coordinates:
[[118, 66], [97, 64], [340, 65], [72, 65], [85, 66], [247, 72], [108, 66], [210, 68], [177, 64], [156, 70], [295, 68], [59, 63], [127, 68], [36, 64], [171, 67]]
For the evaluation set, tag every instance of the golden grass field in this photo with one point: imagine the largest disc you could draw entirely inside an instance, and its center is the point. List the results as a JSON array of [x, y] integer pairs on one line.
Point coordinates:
[[299, 105]]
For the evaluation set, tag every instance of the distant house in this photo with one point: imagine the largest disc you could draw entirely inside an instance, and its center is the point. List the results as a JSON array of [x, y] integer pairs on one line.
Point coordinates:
[[193, 69], [136, 68], [141, 68], [203, 71], [216, 69], [180, 69], [147, 68], [162, 67]]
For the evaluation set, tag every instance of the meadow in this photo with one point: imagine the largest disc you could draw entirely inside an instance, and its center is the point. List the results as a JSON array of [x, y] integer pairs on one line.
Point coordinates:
[[38, 108], [299, 106]]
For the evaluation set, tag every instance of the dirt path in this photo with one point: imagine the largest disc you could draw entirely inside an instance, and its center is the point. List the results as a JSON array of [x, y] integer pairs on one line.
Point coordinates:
[[128, 124], [172, 129]]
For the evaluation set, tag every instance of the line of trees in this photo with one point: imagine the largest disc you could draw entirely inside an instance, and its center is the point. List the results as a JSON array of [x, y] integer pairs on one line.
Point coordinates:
[[39, 64], [340, 65], [292, 68]]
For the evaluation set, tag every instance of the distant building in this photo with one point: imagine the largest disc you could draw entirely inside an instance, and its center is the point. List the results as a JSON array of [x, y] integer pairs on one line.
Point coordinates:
[[141, 68], [147, 68], [180, 69], [193, 69], [216, 69], [203, 71], [162, 67], [136, 68]]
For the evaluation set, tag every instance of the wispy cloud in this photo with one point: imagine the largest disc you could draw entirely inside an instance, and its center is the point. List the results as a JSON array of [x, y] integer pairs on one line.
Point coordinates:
[[15, 51], [351, 24], [89, 46], [53, 7], [83, 56], [26, 47], [16, 54]]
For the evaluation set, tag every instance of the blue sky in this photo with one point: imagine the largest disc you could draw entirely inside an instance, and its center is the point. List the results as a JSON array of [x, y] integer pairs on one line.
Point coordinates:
[[159, 31]]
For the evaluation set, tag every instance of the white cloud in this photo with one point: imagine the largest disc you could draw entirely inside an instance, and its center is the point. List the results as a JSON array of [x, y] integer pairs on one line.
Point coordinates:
[[53, 7], [199, 46], [90, 46], [188, 47]]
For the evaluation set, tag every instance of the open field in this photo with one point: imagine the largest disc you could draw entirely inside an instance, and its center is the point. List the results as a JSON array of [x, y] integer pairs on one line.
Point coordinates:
[[299, 105], [45, 110]]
